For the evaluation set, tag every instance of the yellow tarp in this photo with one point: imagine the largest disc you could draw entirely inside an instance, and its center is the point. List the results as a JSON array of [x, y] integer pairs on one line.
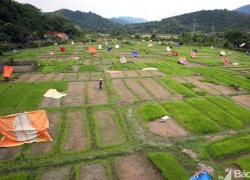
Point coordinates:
[[27, 127]]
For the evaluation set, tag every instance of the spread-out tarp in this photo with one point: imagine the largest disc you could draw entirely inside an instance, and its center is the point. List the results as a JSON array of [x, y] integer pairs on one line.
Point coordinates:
[[202, 175], [193, 54], [7, 71], [182, 60], [53, 93], [135, 53], [92, 50], [109, 48], [27, 127], [123, 60]]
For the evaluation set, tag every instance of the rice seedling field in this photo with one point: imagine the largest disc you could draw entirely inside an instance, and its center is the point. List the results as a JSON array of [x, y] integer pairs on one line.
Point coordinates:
[[117, 132]]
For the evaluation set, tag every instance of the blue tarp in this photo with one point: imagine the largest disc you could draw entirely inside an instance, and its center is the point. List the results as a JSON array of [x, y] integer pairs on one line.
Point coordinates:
[[135, 54], [109, 48], [202, 175]]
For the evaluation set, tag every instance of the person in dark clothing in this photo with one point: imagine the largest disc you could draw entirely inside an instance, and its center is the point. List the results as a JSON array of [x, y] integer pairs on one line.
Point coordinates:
[[100, 84]]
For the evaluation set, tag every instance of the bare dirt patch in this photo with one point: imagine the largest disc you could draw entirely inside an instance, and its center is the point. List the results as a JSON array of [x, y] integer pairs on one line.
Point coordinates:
[[137, 167], [116, 74], [87, 62], [70, 77], [77, 137], [209, 169], [96, 96], [158, 74], [108, 130], [83, 76], [96, 76], [122, 91], [132, 73], [46, 77], [168, 128], [45, 147], [93, 172], [190, 153], [145, 73], [34, 77], [76, 94], [177, 97], [57, 174], [8, 153], [59, 77], [140, 91], [179, 79], [214, 138], [50, 102], [243, 99], [156, 89], [22, 77], [75, 68]]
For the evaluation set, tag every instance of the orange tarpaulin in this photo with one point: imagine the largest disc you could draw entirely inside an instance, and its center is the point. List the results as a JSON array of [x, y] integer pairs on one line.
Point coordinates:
[[27, 127], [7, 71], [92, 50]]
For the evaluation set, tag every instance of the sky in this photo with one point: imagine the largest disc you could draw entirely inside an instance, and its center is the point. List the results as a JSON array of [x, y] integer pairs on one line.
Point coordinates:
[[152, 10]]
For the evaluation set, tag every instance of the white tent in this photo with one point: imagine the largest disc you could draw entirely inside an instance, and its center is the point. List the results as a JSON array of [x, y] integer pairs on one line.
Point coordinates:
[[222, 53], [168, 49], [243, 44], [99, 46], [123, 60], [72, 42], [150, 45], [211, 47], [117, 46]]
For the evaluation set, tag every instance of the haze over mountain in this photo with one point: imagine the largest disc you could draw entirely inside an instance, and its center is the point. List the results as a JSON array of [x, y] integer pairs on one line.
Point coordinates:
[[244, 9], [128, 20]]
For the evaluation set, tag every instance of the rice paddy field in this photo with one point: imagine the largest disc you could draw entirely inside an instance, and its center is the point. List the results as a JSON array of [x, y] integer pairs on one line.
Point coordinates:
[[117, 133]]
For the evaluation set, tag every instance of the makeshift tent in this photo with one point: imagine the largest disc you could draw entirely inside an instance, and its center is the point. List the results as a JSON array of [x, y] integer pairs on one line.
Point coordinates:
[[211, 47], [135, 53], [62, 49], [182, 61], [192, 54], [143, 40], [226, 61], [72, 42], [99, 46], [55, 44], [53, 93], [168, 49], [7, 71], [222, 53], [109, 48], [150, 45], [117, 46], [202, 175], [243, 44], [123, 60], [92, 50], [27, 127], [177, 45], [175, 53]]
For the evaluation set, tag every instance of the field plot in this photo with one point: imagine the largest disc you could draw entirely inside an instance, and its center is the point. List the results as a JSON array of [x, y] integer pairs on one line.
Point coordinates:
[[96, 96], [96, 75], [34, 77], [243, 99], [58, 174], [75, 93], [116, 74], [70, 77], [22, 77], [83, 76], [38, 149], [59, 77], [137, 167], [8, 153], [93, 171], [77, 136], [108, 132], [46, 77]]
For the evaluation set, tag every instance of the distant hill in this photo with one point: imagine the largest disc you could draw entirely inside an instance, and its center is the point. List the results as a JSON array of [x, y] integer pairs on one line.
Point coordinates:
[[128, 20], [88, 21], [244, 9], [202, 21]]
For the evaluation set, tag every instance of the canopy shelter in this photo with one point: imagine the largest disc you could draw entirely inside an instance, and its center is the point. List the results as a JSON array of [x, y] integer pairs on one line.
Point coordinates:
[[92, 50], [7, 72], [21, 128]]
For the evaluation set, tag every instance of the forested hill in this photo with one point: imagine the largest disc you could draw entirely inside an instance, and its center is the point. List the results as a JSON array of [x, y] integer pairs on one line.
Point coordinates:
[[201, 21], [88, 21], [20, 23], [244, 9]]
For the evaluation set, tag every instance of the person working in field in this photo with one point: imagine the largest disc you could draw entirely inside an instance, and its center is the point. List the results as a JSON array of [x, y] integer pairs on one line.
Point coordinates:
[[100, 84]]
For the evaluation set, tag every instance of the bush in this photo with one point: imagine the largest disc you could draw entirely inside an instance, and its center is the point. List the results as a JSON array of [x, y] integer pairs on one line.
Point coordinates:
[[1, 53], [151, 112]]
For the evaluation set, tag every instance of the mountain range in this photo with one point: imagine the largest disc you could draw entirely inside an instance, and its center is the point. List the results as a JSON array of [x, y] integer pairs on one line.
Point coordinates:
[[127, 20], [244, 9]]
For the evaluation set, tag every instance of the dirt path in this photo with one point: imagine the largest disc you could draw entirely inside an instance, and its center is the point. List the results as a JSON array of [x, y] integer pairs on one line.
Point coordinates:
[[22, 77], [34, 77], [140, 91], [76, 94], [46, 77], [156, 89], [167, 129], [93, 172], [77, 137], [132, 73], [59, 77], [243, 99], [122, 91], [50, 102], [57, 174], [70, 77], [96, 96], [83, 76], [8, 153], [137, 168], [108, 130], [45, 147]]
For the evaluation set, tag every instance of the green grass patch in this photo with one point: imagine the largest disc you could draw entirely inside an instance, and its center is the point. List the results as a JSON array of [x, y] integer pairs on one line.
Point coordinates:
[[218, 115], [168, 166], [200, 92], [231, 107], [230, 146], [4, 86], [191, 118], [189, 85], [178, 87], [151, 112], [21, 176], [88, 68]]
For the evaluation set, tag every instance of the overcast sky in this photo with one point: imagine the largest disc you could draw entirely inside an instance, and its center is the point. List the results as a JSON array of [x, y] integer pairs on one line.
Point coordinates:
[[149, 10]]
